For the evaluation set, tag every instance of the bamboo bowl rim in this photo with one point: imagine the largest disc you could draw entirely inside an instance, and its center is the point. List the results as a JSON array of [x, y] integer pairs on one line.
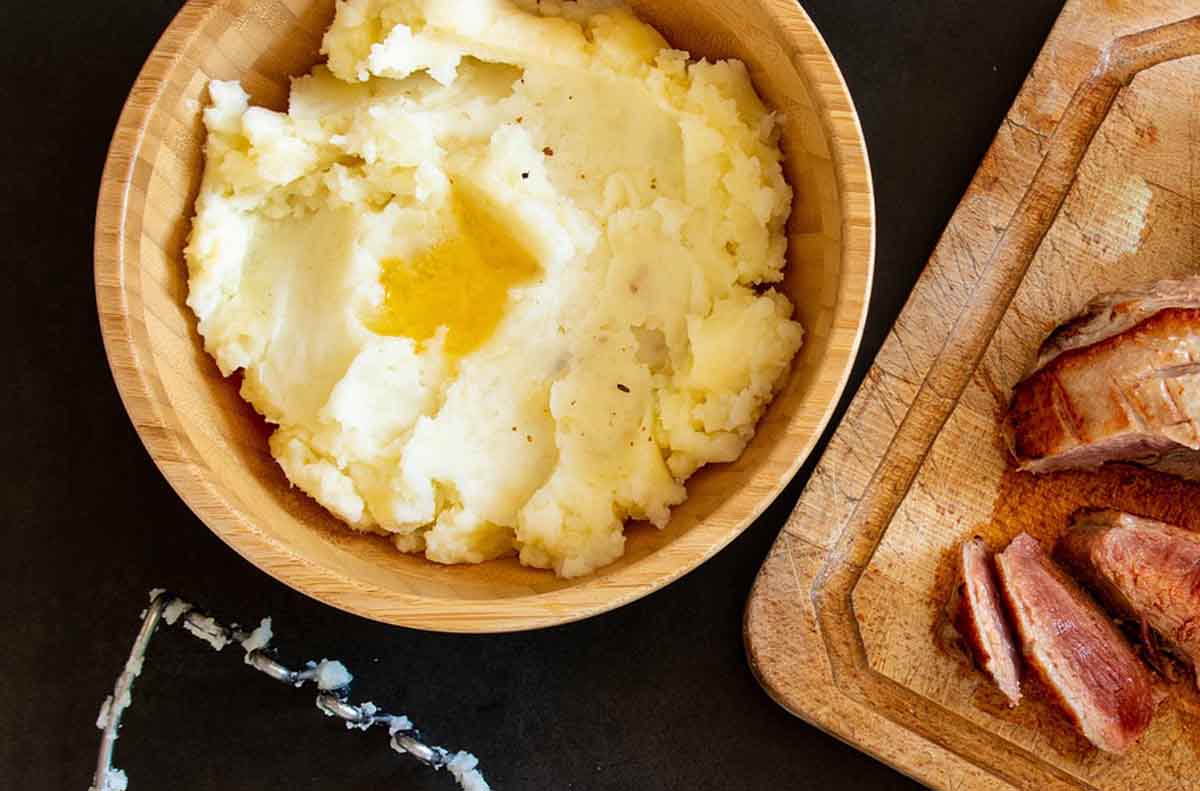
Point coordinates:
[[130, 358]]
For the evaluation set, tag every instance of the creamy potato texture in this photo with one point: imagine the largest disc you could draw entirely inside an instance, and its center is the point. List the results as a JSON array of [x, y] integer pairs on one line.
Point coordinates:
[[500, 274]]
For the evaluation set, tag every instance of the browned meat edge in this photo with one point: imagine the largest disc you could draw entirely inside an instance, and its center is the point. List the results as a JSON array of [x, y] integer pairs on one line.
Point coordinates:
[[1055, 422], [1111, 314]]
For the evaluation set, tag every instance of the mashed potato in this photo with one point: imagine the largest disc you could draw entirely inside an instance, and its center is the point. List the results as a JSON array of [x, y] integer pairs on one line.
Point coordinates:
[[500, 274]]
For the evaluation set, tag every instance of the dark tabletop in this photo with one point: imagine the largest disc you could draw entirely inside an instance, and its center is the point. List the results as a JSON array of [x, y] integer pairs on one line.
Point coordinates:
[[656, 695]]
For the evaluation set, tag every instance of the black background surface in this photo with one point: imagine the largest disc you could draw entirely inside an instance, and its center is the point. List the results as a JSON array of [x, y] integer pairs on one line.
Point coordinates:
[[654, 696]]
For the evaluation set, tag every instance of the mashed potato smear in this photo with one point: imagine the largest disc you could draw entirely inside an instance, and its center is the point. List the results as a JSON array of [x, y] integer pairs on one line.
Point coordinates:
[[501, 274]]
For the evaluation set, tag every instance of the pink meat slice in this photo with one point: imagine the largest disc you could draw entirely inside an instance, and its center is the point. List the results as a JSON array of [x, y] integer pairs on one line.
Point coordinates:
[[979, 617], [1075, 649], [1142, 569]]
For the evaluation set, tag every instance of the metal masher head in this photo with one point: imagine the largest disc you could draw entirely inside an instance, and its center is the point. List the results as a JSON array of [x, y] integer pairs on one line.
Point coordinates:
[[331, 678]]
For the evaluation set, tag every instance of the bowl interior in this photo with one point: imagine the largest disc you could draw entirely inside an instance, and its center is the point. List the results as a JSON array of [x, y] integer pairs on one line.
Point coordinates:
[[212, 446]]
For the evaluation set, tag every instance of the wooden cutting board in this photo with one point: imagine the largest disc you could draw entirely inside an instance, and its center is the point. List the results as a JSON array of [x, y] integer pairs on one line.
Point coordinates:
[[1091, 184]]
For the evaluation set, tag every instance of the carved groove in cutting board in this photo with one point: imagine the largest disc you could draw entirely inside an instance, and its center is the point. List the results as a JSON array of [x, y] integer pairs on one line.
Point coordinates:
[[807, 590]]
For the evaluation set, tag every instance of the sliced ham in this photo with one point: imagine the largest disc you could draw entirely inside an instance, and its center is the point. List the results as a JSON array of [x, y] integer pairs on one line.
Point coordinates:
[[1070, 643], [1121, 382], [978, 617], [1143, 569]]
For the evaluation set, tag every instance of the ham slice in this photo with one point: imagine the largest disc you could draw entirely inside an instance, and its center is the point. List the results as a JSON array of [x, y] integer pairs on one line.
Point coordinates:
[[1143, 569], [980, 620], [1069, 642], [1121, 382]]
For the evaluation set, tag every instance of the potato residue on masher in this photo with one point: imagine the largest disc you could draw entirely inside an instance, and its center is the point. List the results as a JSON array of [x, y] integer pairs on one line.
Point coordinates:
[[501, 275]]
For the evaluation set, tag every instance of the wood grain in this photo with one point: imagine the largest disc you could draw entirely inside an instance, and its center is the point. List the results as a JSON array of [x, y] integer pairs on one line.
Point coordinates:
[[1090, 184], [212, 447]]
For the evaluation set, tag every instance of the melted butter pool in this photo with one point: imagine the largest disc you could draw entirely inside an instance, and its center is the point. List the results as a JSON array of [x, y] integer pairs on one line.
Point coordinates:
[[461, 282]]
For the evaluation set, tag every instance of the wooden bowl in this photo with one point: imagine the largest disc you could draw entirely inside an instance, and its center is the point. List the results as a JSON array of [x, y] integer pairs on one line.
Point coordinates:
[[211, 445]]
